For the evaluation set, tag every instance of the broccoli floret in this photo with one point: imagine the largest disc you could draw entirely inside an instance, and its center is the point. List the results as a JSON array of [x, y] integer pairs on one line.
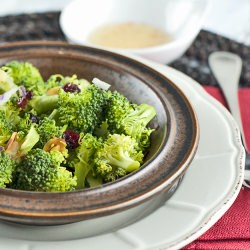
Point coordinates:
[[118, 156], [24, 73], [68, 104], [130, 119], [7, 166], [23, 125], [117, 107], [115, 174], [48, 129], [5, 129], [19, 119], [82, 111], [54, 81], [41, 171], [135, 124], [15, 118], [102, 131], [59, 80], [85, 155]]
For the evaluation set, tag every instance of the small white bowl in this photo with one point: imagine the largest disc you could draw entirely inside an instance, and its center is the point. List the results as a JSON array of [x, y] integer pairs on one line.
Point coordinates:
[[182, 19]]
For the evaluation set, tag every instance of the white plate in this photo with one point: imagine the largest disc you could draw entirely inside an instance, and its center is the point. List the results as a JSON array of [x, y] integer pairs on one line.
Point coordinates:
[[209, 188]]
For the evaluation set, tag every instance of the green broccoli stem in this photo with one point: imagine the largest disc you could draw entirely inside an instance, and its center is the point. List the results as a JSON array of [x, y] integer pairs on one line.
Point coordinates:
[[93, 181], [81, 171], [43, 104], [148, 113], [54, 114], [143, 114], [123, 160]]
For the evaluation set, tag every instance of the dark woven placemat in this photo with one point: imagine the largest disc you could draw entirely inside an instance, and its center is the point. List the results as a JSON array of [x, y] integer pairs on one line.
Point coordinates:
[[42, 26], [45, 26], [195, 61]]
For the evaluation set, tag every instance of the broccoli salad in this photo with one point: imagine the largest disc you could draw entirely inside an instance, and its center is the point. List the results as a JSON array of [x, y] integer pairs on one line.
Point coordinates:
[[66, 133]]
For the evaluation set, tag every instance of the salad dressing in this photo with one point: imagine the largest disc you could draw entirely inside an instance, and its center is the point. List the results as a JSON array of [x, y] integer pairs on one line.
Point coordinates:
[[128, 35]]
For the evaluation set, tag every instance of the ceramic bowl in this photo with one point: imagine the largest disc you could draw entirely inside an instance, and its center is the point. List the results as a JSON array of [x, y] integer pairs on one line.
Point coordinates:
[[180, 18], [122, 202]]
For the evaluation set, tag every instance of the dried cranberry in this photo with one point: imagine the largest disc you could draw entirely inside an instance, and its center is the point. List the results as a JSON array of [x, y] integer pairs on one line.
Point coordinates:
[[71, 87], [34, 118], [71, 137], [29, 95], [22, 102]]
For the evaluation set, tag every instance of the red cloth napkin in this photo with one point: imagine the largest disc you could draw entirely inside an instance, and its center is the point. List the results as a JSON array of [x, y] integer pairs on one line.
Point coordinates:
[[244, 101], [232, 230]]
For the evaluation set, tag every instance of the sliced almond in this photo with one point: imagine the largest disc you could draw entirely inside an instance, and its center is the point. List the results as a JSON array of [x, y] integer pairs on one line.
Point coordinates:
[[13, 145], [53, 91], [55, 144]]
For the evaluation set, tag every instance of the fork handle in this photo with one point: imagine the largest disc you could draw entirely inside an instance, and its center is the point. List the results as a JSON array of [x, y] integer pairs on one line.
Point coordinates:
[[226, 68]]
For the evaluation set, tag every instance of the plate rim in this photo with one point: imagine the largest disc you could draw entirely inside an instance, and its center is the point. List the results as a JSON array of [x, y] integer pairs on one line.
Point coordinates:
[[220, 211]]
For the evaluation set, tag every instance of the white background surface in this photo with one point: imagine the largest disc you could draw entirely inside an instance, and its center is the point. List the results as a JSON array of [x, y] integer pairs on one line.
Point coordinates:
[[230, 18]]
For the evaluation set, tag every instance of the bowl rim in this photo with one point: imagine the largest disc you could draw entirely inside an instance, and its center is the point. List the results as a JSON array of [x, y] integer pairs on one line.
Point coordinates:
[[60, 49]]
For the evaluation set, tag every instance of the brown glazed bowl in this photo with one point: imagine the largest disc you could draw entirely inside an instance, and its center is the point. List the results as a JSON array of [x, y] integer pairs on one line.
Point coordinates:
[[122, 202]]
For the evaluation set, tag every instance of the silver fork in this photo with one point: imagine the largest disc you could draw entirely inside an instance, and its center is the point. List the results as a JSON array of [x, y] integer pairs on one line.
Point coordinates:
[[226, 68]]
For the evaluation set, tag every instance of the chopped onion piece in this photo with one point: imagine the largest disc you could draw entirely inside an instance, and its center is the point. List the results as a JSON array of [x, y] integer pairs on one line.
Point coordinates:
[[101, 84], [22, 90], [7, 95]]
